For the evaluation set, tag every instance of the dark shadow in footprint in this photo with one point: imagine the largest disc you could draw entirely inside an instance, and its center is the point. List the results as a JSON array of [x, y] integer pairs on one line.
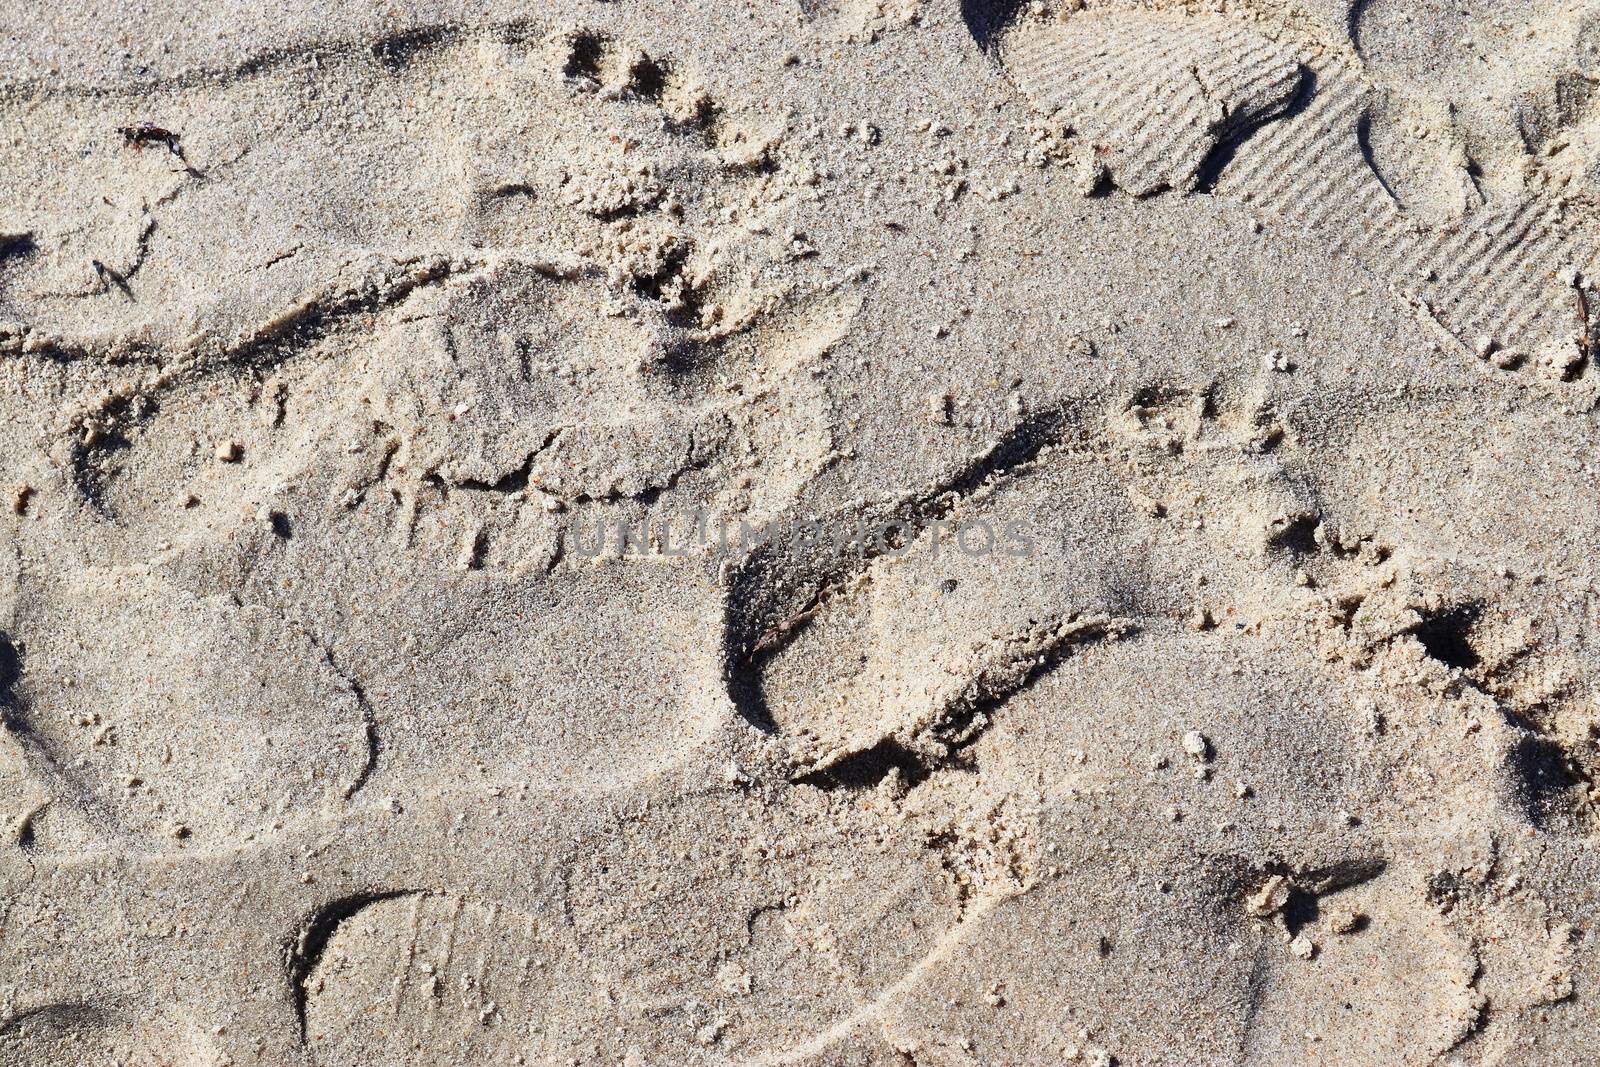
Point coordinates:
[[19, 245], [1542, 780], [307, 948], [784, 582], [10, 672], [1352, 25], [868, 769], [1221, 154], [1447, 635], [1364, 142], [987, 19], [398, 50]]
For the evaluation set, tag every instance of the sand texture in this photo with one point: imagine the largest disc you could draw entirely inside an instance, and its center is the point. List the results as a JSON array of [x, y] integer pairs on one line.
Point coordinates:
[[832, 533]]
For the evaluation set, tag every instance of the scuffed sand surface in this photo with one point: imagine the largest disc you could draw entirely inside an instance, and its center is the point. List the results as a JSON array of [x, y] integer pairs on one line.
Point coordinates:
[[820, 532]]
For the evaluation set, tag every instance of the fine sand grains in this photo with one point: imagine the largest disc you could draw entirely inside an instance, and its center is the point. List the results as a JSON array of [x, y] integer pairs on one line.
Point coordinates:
[[850, 532]]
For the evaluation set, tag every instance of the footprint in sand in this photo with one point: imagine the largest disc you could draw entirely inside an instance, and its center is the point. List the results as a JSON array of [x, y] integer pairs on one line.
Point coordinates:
[[1296, 122], [85, 1034]]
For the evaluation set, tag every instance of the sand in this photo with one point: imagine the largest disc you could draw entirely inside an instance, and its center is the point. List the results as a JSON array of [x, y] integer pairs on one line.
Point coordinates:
[[820, 532]]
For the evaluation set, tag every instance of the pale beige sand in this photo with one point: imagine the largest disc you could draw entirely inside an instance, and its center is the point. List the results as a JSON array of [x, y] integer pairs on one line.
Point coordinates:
[[1258, 335]]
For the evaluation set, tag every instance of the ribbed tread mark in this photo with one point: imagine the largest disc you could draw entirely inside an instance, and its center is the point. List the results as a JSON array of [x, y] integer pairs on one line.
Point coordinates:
[[1192, 137], [1502, 274], [456, 964], [1157, 94], [403, 982], [1516, 236]]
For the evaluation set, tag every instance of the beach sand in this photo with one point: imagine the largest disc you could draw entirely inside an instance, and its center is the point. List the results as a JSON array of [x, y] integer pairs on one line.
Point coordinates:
[[820, 532]]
